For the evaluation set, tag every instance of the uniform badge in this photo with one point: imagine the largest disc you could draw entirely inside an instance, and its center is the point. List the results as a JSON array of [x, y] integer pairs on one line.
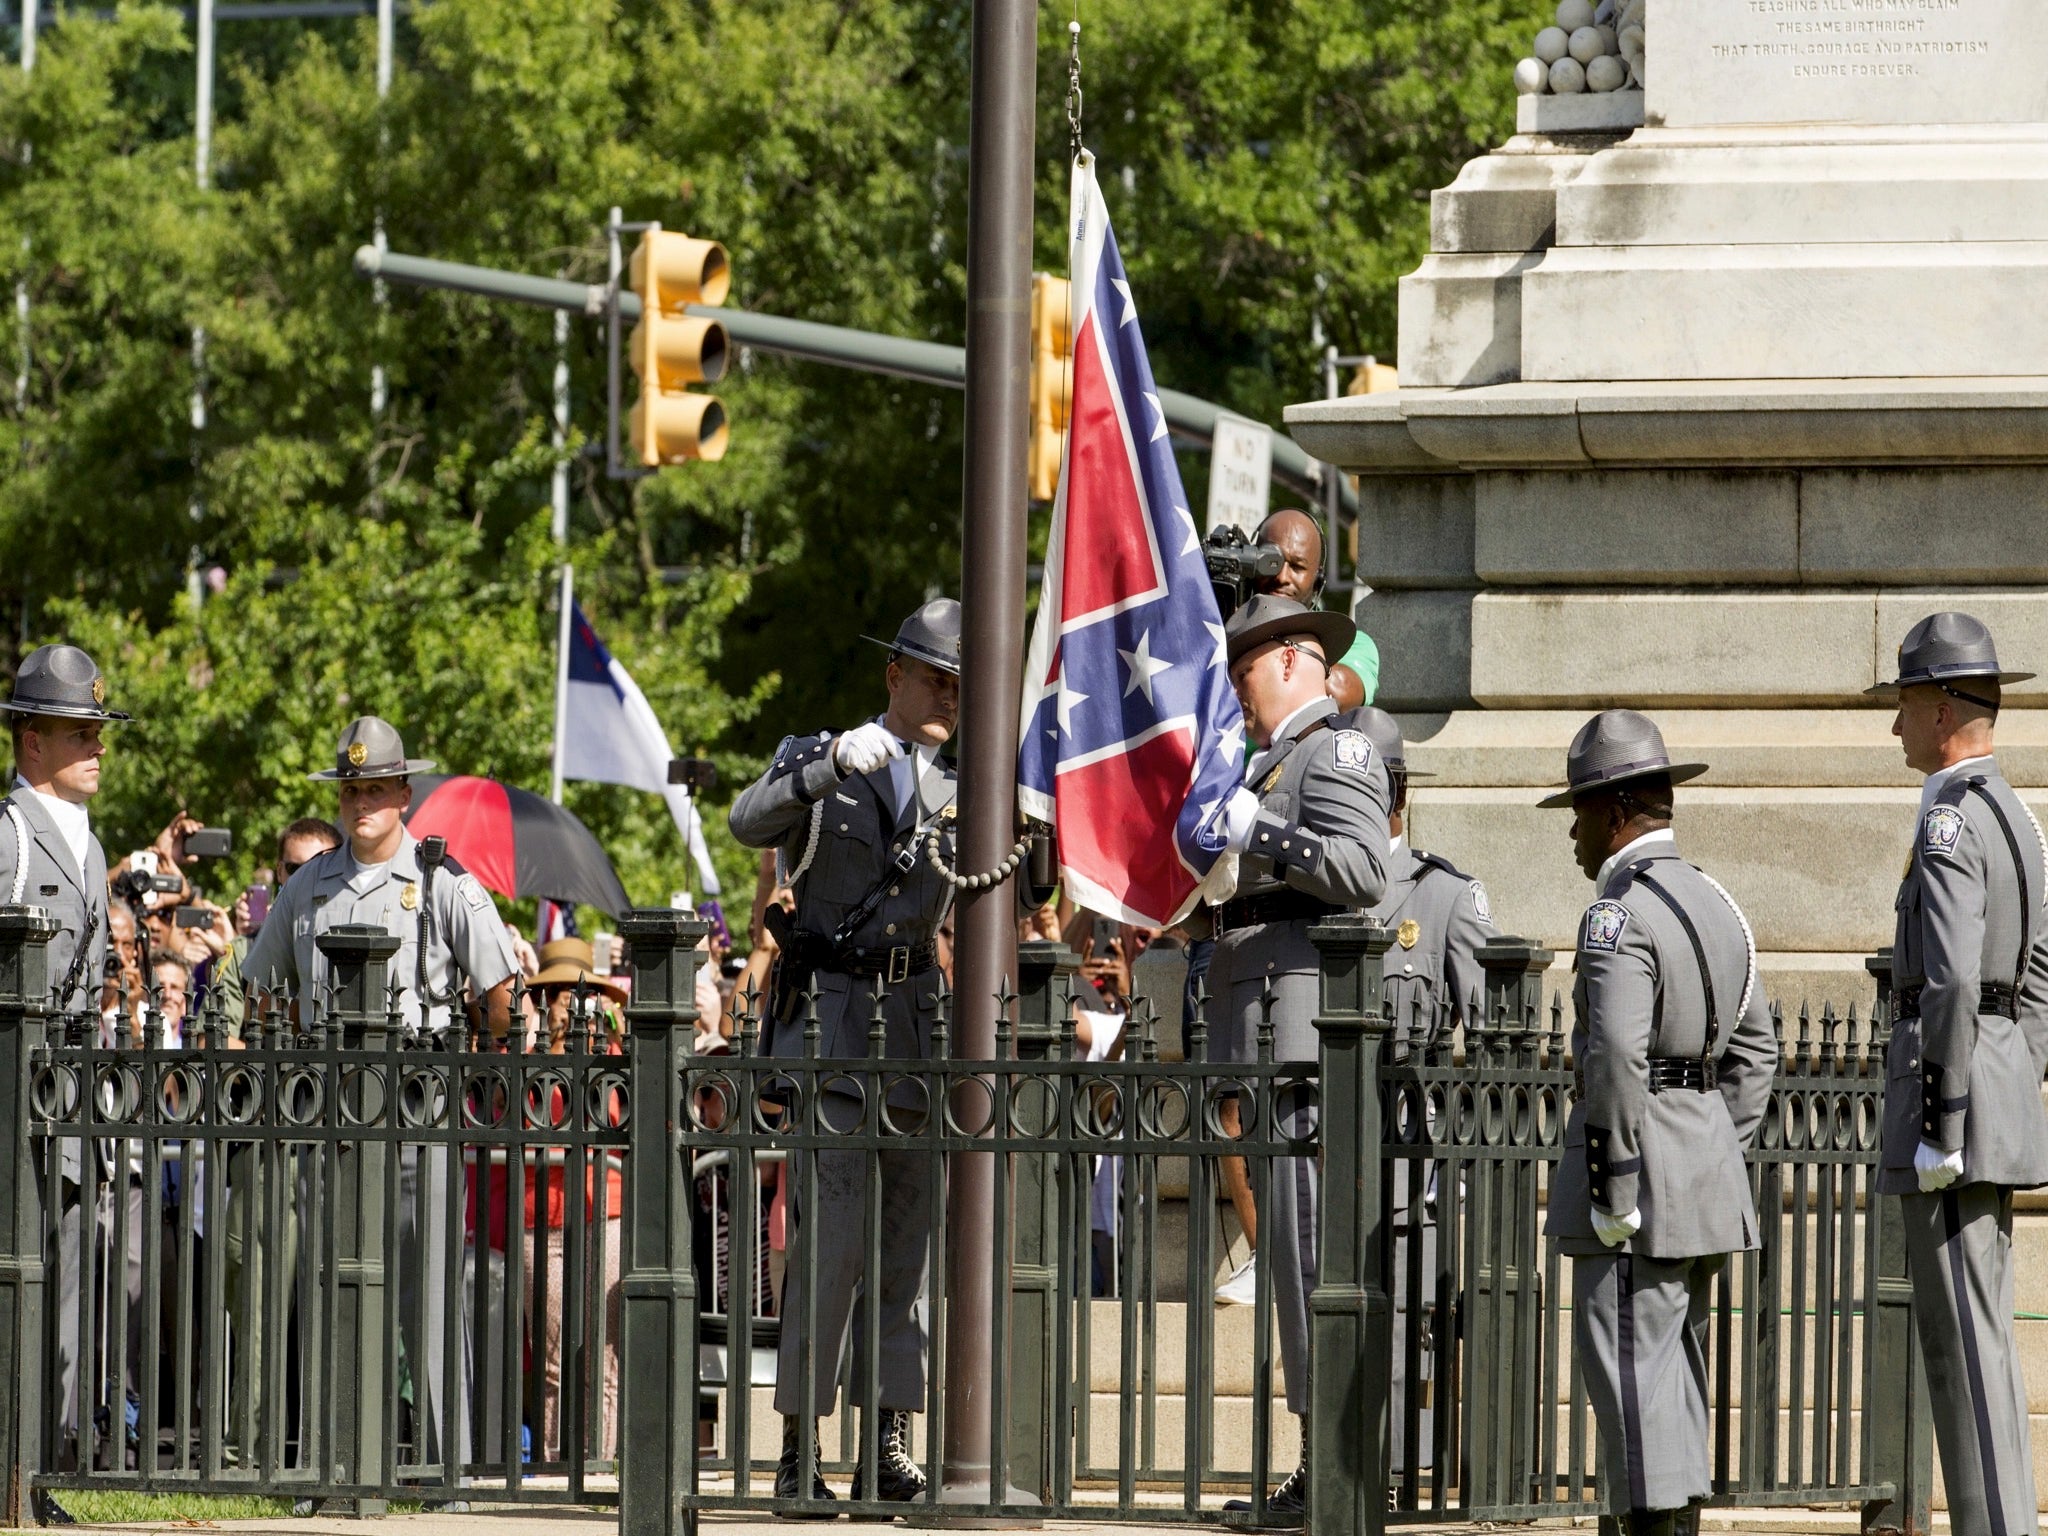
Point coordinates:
[[1480, 904], [1942, 830], [358, 754], [409, 898], [1272, 780], [1604, 922], [99, 690], [1408, 933], [1353, 750]]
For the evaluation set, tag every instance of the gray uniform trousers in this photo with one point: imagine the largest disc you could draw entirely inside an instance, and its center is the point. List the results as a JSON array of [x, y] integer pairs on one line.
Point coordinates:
[[1289, 1221], [1414, 1312], [71, 1234], [1967, 1078], [423, 1205], [1640, 1325], [252, 1244], [1959, 1250], [836, 1241]]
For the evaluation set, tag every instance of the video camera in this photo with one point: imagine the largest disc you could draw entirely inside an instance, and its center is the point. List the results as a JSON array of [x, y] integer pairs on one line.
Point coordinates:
[[1237, 566], [132, 884]]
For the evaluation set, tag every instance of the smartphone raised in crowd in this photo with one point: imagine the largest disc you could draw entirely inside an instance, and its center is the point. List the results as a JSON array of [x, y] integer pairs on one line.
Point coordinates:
[[192, 917], [258, 898], [209, 843]]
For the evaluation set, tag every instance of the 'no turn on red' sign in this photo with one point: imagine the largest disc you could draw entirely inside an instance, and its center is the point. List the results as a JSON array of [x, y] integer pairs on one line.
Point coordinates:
[[1240, 473]]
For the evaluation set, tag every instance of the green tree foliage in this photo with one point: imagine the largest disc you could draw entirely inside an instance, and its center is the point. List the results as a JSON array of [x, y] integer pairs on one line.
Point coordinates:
[[1267, 164]]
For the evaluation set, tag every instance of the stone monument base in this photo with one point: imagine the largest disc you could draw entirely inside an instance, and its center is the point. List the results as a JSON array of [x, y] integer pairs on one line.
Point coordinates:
[[1740, 560], [1736, 254]]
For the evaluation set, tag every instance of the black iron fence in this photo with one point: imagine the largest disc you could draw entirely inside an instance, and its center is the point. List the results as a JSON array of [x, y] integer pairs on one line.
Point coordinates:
[[329, 1261]]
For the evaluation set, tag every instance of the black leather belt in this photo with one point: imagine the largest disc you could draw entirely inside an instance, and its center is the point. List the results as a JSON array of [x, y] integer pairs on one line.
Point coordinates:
[[896, 964], [1272, 907], [1992, 997], [1673, 1073]]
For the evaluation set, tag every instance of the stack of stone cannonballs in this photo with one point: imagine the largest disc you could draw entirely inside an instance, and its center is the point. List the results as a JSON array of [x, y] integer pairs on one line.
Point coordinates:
[[1590, 49]]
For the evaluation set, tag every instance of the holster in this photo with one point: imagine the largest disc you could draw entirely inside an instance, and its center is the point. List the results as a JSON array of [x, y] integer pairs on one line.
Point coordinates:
[[790, 977]]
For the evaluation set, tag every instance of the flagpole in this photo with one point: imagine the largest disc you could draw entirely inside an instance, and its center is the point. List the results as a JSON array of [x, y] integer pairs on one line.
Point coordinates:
[[568, 605], [1000, 152]]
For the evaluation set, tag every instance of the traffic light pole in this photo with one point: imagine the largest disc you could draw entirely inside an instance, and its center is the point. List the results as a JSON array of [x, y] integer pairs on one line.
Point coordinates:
[[1189, 418], [1000, 149]]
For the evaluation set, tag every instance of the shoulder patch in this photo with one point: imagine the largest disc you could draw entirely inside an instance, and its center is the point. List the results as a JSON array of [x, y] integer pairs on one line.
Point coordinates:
[[1604, 922], [1480, 904], [795, 751], [1941, 830], [474, 893], [1352, 751]]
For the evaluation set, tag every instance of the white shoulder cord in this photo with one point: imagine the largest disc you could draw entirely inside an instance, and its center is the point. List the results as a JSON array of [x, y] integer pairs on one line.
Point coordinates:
[[1748, 940], [2038, 837], [20, 887], [787, 876]]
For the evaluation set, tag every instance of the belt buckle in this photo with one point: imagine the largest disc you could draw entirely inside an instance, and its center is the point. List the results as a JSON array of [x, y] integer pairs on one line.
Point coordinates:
[[899, 964]]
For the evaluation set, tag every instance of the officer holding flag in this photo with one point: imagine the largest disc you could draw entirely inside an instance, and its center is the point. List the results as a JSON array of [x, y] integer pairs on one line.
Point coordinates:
[[1310, 829]]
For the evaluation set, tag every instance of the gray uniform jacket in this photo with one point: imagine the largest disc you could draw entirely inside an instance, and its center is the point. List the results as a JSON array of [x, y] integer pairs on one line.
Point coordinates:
[[1438, 917], [1959, 1072], [1321, 831], [77, 901], [333, 889], [837, 838], [1676, 1155]]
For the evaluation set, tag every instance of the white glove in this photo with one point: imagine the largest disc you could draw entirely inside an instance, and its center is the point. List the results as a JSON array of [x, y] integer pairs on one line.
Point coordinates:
[[1615, 1230], [865, 748], [1239, 814], [1937, 1169]]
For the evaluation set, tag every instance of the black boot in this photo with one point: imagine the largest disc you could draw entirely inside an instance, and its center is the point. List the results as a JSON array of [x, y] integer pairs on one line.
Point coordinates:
[[1286, 1505], [1687, 1522], [898, 1478], [47, 1511], [1652, 1522], [790, 1467]]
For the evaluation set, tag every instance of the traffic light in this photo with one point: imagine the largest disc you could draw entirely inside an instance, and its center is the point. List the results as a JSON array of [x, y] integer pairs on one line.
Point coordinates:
[[1373, 376], [1050, 361], [670, 349]]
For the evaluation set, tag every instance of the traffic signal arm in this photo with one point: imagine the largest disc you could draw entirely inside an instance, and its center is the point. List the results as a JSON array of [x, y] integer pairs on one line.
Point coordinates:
[[925, 362]]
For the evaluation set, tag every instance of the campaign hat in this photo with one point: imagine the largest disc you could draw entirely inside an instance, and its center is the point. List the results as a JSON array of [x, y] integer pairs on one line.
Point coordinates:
[[1268, 616], [1945, 648], [63, 681], [372, 749], [931, 635], [1616, 747]]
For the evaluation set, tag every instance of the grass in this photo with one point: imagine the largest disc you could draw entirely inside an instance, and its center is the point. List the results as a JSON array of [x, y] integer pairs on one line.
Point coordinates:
[[117, 1506], [109, 1506]]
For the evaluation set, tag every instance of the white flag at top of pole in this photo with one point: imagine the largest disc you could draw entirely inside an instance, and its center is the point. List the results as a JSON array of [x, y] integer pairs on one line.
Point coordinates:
[[1131, 737], [610, 736]]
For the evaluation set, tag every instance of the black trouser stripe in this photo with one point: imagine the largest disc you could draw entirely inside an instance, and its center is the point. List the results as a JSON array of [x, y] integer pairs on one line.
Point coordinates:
[[1966, 1325], [1631, 1409]]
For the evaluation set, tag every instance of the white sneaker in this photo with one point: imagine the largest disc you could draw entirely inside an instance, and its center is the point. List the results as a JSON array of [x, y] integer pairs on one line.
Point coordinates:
[[1241, 1289]]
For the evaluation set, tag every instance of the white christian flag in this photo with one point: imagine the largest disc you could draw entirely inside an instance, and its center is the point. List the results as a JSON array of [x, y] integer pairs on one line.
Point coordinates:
[[610, 736]]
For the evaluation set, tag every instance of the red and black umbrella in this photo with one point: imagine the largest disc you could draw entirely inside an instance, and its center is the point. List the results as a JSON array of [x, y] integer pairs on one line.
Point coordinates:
[[516, 842]]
